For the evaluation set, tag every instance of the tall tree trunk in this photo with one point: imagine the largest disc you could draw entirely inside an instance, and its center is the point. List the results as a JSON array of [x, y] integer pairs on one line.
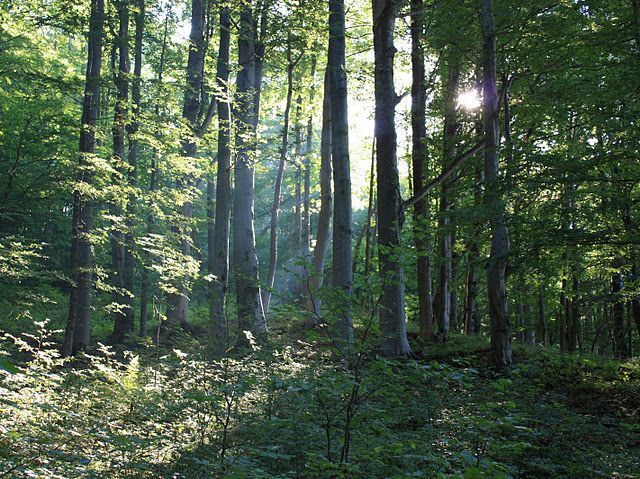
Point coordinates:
[[392, 301], [419, 164], [78, 328], [342, 274], [500, 328], [326, 206], [218, 330], [250, 311], [445, 225], [122, 297], [277, 189], [178, 302]]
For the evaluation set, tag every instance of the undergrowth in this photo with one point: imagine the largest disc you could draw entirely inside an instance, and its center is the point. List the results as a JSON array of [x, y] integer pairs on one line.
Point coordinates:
[[295, 411]]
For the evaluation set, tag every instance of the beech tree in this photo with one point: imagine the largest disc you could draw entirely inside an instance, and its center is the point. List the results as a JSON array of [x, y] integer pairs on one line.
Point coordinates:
[[251, 315], [78, 330]]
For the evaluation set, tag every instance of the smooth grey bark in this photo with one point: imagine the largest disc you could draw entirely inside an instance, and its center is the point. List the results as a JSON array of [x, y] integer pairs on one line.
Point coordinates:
[[277, 189], [500, 328], [121, 296], [421, 234], [392, 300], [316, 277], [342, 274], [218, 328], [78, 329], [251, 315], [178, 302], [446, 227]]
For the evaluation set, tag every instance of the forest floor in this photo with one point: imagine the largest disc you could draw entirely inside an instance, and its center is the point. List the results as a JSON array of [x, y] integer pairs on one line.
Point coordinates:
[[290, 409]]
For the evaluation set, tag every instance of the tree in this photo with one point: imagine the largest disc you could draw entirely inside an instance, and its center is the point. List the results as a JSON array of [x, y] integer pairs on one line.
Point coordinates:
[[419, 165], [219, 249], [499, 326], [78, 330], [178, 301], [342, 275], [251, 315], [392, 301], [277, 190], [120, 251], [316, 276]]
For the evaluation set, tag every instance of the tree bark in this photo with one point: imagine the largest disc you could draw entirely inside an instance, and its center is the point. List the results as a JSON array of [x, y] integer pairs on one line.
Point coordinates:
[[421, 232], [342, 274], [392, 301], [122, 297], [178, 302], [500, 328], [251, 315], [78, 328], [218, 329], [316, 277], [134, 152]]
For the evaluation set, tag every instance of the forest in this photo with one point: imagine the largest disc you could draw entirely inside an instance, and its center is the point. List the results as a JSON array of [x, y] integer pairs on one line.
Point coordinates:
[[278, 239]]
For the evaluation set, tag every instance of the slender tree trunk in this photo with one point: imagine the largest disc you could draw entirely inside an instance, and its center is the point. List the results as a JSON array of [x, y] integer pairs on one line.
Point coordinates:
[[392, 301], [421, 232], [496, 268], [218, 330], [277, 190], [621, 350], [134, 151], [471, 313], [372, 206], [78, 329], [178, 303], [365, 232], [542, 317], [123, 298], [296, 280], [306, 211], [250, 311], [342, 274], [635, 302], [445, 225], [326, 206]]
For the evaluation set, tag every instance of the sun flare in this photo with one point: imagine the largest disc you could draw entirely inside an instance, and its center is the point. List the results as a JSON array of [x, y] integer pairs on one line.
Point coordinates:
[[469, 100]]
